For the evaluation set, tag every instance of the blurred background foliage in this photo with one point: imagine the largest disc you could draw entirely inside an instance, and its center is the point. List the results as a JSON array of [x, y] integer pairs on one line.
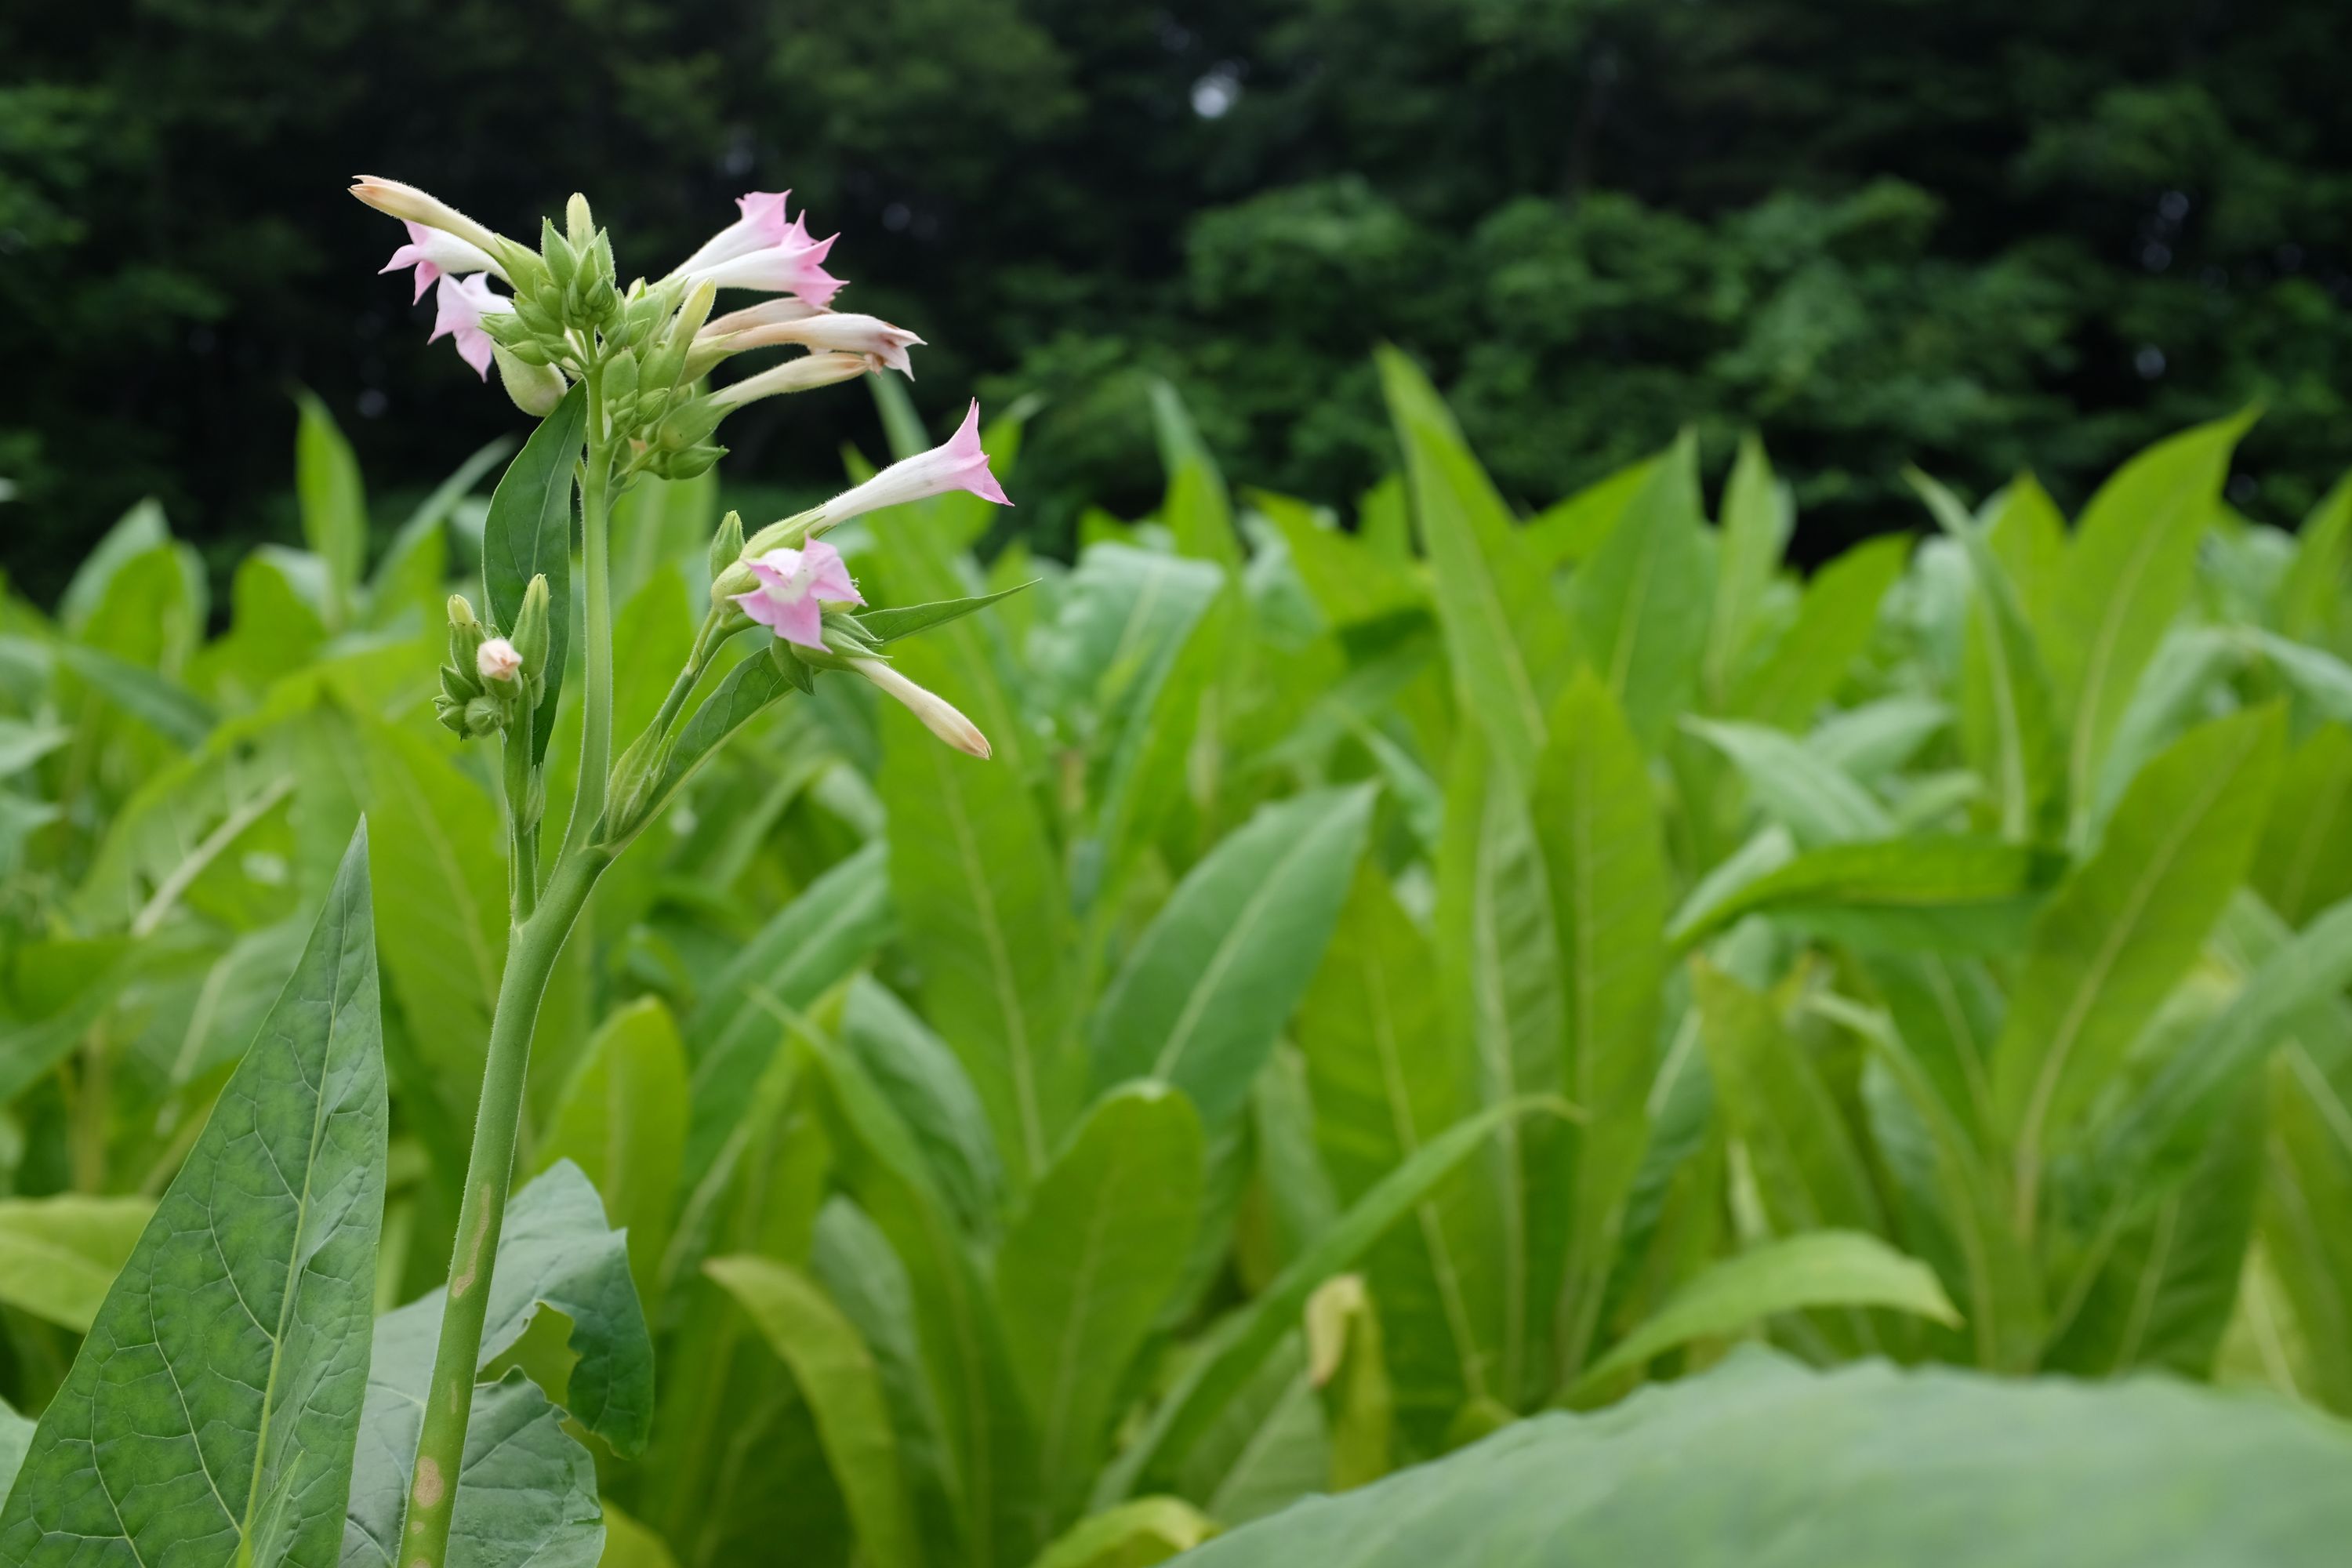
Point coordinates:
[[1881, 230]]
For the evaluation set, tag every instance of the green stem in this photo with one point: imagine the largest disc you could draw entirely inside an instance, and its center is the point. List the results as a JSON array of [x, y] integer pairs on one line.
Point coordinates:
[[489, 1174], [596, 705], [522, 830]]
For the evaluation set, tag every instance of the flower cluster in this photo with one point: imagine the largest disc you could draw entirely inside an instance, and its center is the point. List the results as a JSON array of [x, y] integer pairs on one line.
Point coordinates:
[[643, 354]]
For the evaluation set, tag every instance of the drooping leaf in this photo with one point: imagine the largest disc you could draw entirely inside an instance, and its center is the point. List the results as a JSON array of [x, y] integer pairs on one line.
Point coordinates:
[[1219, 970], [837, 1375], [1817, 1269], [528, 533], [1087, 1267], [1764, 1463], [211, 1413]]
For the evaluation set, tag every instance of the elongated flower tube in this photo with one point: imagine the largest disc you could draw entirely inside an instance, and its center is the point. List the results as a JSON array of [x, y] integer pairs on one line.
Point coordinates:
[[460, 305], [957, 464], [435, 253], [938, 715], [795, 267], [881, 345], [791, 588], [762, 226], [766, 313], [412, 206], [802, 374]]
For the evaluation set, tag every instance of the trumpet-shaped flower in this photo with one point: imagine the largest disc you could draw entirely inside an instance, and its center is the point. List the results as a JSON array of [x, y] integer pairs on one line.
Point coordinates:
[[435, 253], [497, 659], [881, 345], [761, 250], [761, 227], [792, 585], [412, 206], [802, 374], [958, 464], [459, 306], [938, 715]]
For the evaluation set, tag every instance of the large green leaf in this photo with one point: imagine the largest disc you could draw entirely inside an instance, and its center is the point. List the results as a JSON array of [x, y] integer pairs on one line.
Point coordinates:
[[528, 533], [1604, 851], [1386, 1078], [1933, 893], [1505, 632], [211, 1414], [2305, 860], [1797, 786], [1763, 1464], [526, 1493], [1833, 624], [621, 1121], [2128, 572], [1088, 1264], [2119, 931], [1642, 603], [1238, 1345], [1758, 515], [1816, 1269], [1217, 973], [837, 1375], [985, 914], [60, 1254], [928, 1086]]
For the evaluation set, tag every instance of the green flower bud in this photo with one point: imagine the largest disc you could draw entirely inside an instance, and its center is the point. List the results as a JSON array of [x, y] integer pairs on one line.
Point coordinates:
[[579, 224], [727, 545], [451, 715], [484, 716], [466, 634], [531, 628], [563, 260], [692, 463], [536, 389], [619, 378]]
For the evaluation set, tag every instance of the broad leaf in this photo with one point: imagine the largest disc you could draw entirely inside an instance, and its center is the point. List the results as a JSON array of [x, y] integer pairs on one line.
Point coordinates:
[[1833, 624], [838, 1376], [621, 1121], [1930, 893], [1817, 1269], [1641, 604], [1217, 973], [1763, 1464], [1087, 1267], [211, 1414], [1796, 785], [1132, 1535]]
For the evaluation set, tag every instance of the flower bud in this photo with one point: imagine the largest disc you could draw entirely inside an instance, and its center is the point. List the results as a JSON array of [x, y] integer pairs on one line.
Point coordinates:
[[579, 224], [535, 388], [727, 544], [406, 202], [531, 628], [938, 715], [484, 716], [497, 659], [466, 633], [802, 374]]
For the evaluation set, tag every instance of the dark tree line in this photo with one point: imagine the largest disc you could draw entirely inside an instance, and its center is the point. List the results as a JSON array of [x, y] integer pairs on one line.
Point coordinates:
[[1976, 236]]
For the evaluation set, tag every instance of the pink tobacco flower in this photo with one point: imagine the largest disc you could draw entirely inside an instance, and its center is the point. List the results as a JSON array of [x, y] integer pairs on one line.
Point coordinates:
[[761, 227], [497, 659], [938, 715], [958, 464], [435, 253], [880, 344], [459, 306], [792, 585]]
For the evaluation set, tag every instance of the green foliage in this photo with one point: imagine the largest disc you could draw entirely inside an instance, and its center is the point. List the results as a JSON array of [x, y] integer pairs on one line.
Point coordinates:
[[1374, 992]]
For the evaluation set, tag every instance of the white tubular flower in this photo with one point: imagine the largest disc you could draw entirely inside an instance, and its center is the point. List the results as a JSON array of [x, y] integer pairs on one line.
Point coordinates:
[[938, 715], [882, 345], [766, 313], [799, 375], [412, 206], [760, 225]]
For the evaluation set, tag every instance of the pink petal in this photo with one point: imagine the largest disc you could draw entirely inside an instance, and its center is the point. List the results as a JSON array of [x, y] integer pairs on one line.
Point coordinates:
[[766, 209], [801, 621], [474, 348], [829, 578], [759, 607], [964, 448], [774, 573]]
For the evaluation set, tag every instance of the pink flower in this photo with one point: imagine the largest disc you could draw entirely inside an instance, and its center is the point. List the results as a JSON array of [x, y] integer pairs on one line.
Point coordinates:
[[792, 586], [938, 715], [958, 464], [434, 252], [459, 309], [787, 269], [497, 659], [761, 227], [879, 343]]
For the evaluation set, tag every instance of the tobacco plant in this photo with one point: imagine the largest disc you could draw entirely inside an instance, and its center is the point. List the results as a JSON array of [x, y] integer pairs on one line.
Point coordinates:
[[1388, 982]]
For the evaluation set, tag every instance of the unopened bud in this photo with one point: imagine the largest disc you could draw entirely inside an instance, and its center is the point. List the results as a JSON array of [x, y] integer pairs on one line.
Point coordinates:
[[536, 389], [939, 716], [530, 630], [727, 545], [579, 224], [484, 717], [498, 661]]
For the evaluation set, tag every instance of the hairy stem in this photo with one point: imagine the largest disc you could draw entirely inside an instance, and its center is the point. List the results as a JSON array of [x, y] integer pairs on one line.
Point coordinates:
[[596, 705], [489, 1174]]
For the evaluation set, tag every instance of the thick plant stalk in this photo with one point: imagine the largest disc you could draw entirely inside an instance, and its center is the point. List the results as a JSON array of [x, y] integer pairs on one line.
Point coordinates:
[[596, 704], [489, 1175]]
